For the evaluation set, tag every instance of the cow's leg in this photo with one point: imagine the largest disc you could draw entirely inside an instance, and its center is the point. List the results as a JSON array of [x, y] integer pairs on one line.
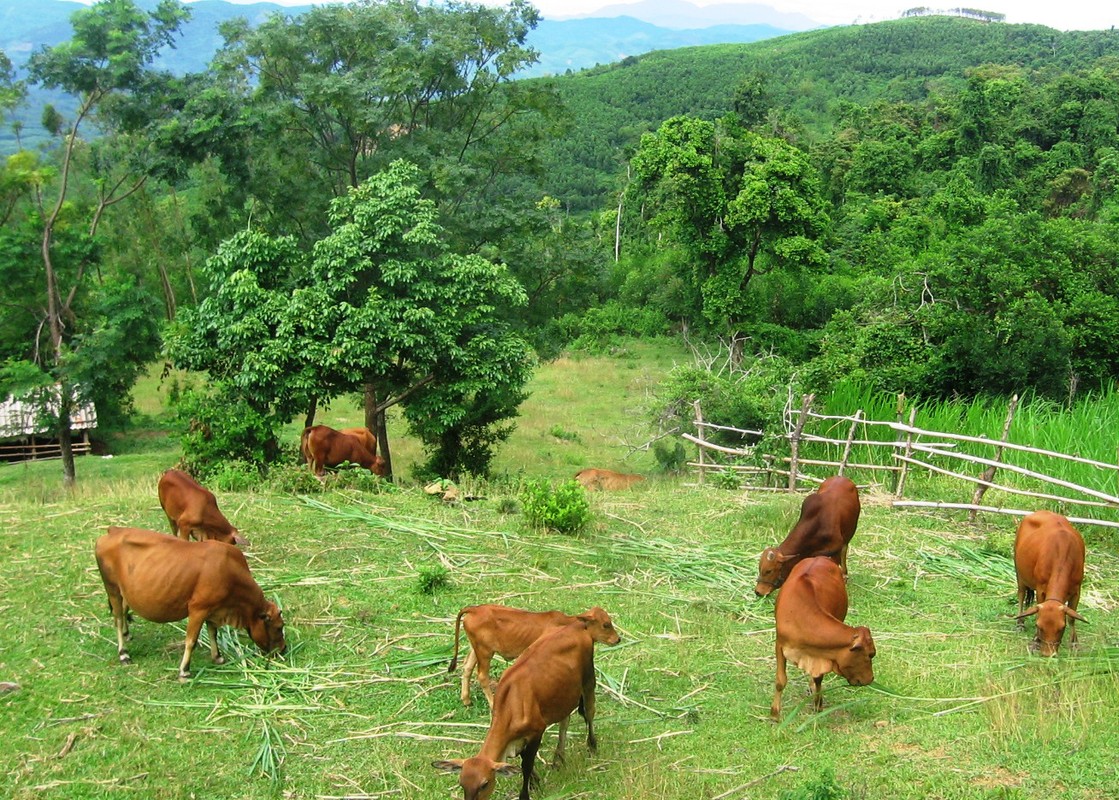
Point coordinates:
[[467, 671], [1024, 593], [194, 627], [817, 692], [484, 658], [215, 653], [782, 679], [586, 708], [528, 761], [1073, 602], [119, 609], [843, 561], [557, 759]]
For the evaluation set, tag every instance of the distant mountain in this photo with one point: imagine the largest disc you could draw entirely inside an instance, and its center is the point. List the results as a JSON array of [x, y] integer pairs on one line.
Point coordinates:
[[681, 14], [564, 45]]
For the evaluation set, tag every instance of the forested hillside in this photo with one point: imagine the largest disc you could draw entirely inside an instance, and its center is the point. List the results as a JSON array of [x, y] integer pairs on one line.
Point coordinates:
[[808, 77], [369, 199]]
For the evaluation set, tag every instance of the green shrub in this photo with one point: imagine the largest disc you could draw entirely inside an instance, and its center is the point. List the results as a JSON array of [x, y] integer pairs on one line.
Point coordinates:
[[217, 428], [235, 476], [727, 479], [825, 787], [559, 432], [292, 478], [433, 578], [563, 508], [672, 457]]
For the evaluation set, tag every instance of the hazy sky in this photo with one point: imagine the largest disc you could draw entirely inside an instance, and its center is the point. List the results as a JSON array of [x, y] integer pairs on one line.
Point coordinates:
[[1068, 15]]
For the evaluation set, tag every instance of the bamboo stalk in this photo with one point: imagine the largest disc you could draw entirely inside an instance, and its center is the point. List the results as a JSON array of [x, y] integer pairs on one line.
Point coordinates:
[[989, 473], [850, 438], [899, 490], [700, 424], [824, 463], [992, 510], [1020, 471], [806, 404], [699, 430], [989, 485], [706, 445]]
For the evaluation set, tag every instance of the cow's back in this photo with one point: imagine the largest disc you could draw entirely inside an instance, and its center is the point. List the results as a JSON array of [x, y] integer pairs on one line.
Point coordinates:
[[813, 593], [1048, 548], [828, 518], [160, 576], [549, 675]]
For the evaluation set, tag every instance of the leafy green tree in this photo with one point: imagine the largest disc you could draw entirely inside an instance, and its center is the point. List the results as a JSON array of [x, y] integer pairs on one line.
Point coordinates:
[[106, 65], [382, 302], [737, 203]]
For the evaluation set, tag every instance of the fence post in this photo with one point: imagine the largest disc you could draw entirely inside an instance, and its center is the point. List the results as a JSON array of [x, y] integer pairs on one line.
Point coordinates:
[[850, 439], [794, 441], [989, 473], [699, 446], [908, 454]]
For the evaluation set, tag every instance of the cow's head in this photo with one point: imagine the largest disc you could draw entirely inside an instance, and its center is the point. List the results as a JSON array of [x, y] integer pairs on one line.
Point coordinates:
[[267, 629], [476, 775], [854, 664], [1052, 616], [599, 626], [773, 568]]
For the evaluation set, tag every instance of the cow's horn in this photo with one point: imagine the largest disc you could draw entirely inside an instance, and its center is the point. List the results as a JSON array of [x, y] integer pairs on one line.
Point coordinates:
[[1029, 612], [1072, 613]]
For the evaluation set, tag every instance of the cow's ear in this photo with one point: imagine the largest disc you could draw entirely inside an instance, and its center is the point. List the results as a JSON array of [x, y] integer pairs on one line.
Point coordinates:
[[450, 765], [505, 768]]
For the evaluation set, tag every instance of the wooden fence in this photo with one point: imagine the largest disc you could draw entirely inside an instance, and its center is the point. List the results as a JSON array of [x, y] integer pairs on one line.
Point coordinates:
[[909, 447], [33, 448]]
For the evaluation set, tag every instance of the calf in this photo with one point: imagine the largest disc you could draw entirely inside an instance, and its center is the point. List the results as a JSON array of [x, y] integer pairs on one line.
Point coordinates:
[[192, 509], [811, 632], [593, 479], [1049, 560], [828, 518], [553, 677], [502, 630], [164, 579], [324, 447]]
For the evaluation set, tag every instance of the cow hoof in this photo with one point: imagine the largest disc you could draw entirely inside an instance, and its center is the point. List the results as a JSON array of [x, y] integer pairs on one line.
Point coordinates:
[[184, 677], [219, 660], [125, 658]]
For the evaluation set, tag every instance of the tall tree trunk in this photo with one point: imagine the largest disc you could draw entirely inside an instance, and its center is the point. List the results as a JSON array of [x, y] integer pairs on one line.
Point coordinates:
[[65, 435], [375, 422], [309, 420]]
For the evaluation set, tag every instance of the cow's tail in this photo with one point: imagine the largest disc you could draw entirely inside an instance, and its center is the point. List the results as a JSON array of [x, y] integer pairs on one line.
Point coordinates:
[[458, 622], [305, 445]]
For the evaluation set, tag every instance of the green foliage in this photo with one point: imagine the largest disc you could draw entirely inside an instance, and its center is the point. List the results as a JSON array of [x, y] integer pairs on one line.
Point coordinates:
[[559, 432], [602, 328], [218, 427], [234, 475], [671, 456], [727, 479], [561, 507], [432, 579], [824, 787]]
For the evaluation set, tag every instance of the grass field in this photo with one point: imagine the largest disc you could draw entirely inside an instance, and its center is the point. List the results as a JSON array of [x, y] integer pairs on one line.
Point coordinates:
[[362, 704]]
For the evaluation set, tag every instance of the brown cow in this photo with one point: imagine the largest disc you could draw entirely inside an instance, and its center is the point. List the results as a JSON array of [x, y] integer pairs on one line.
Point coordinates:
[[1049, 559], [324, 447], [364, 435], [164, 579], [192, 509], [811, 632], [502, 630], [552, 678], [828, 518], [593, 479]]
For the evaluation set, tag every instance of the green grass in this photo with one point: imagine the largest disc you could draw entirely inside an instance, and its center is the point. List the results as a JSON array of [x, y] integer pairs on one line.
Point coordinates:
[[362, 703]]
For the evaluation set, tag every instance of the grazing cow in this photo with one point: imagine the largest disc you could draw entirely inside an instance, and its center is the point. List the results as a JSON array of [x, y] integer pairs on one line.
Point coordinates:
[[192, 509], [811, 632], [164, 579], [828, 518], [552, 678], [324, 447], [593, 479], [364, 435], [1049, 560], [502, 630]]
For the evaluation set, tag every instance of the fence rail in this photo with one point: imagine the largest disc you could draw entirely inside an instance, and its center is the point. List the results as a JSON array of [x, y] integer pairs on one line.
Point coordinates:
[[847, 443]]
